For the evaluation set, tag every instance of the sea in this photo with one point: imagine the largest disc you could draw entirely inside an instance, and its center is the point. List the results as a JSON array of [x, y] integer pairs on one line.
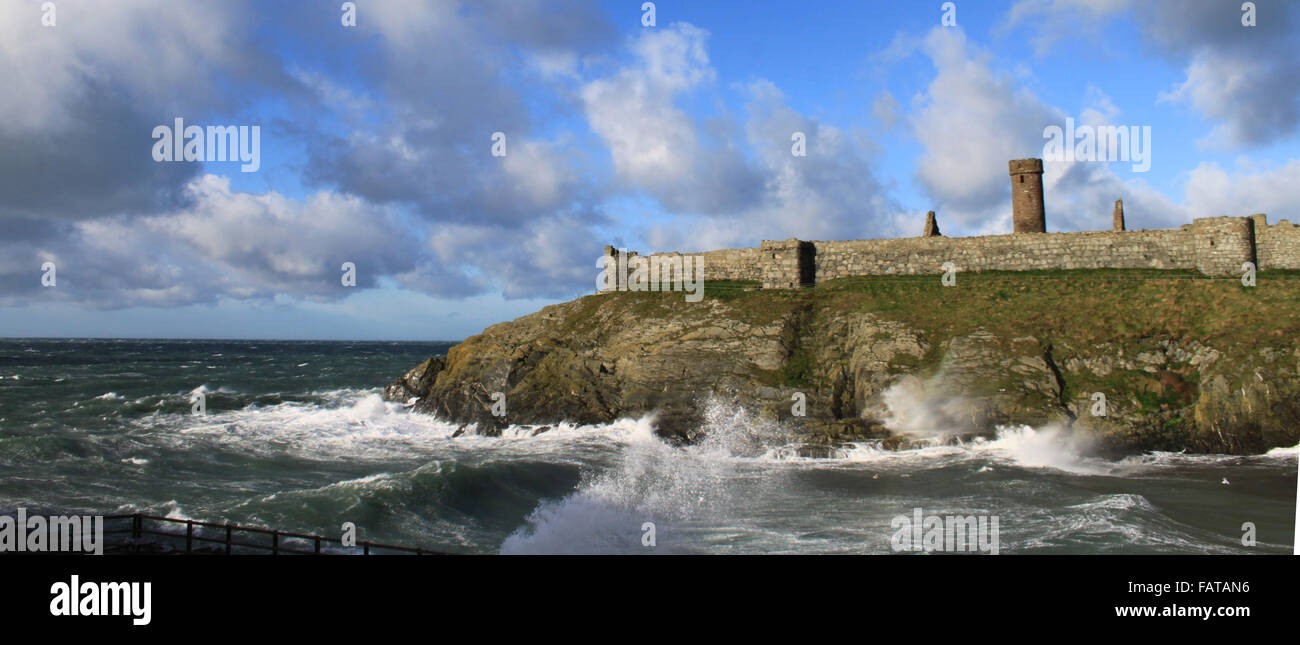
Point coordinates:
[[293, 435]]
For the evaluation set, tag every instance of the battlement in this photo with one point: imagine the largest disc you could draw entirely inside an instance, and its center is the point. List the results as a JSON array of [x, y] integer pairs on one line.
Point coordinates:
[[1214, 246], [1022, 166]]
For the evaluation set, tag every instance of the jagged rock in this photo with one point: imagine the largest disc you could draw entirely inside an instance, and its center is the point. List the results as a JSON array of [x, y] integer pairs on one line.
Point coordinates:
[[602, 357], [416, 382]]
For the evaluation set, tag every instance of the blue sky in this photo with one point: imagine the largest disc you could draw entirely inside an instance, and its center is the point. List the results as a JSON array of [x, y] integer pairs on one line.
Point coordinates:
[[376, 144]]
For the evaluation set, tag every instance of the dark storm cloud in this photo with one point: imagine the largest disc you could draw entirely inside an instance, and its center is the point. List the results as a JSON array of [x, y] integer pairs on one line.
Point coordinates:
[[1245, 78], [449, 81], [389, 128], [80, 188], [573, 25], [99, 165]]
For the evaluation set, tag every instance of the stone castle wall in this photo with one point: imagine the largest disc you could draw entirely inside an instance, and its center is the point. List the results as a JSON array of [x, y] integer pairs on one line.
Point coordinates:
[[732, 264], [723, 264], [1223, 244], [1160, 249], [1276, 246], [1215, 246]]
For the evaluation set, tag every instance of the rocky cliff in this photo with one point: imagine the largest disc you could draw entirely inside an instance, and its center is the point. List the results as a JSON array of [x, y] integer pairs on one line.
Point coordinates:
[[1132, 360]]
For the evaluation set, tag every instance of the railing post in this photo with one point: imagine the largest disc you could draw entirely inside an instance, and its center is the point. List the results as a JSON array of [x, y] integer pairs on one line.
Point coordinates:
[[137, 532]]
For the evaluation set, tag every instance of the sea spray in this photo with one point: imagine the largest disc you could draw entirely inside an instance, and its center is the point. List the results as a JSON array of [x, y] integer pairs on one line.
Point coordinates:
[[653, 482], [1052, 446], [926, 410], [307, 448]]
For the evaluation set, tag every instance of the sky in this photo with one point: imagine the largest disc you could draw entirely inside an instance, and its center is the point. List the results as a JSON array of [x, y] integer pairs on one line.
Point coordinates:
[[379, 144]]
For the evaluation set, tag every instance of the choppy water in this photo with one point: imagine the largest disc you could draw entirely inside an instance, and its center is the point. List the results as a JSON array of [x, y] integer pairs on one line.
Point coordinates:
[[296, 437]]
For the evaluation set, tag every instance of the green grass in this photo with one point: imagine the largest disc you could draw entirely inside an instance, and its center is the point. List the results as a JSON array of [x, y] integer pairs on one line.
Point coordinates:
[[797, 369], [1132, 308], [1082, 306], [727, 290], [1085, 315]]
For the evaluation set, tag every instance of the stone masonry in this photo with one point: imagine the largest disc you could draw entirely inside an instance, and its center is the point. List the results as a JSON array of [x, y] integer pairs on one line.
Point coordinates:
[[1027, 210], [1214, 246]]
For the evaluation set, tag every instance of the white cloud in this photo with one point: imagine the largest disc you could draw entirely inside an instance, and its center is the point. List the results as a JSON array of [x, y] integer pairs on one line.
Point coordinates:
[[1214, 192], [831, 193], [886, 109], [1227, 89], [1244, 80], [154, 51], [228, 245], [971, 122], [1053, 20], [653, 144]]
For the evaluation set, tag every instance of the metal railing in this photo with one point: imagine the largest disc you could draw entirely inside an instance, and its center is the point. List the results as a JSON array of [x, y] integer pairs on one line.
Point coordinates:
[[223, 537]]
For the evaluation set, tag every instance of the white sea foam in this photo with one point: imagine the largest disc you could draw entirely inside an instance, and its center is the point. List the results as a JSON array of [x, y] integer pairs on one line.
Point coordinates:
[[170, 508], [1285, 453], [652, 482], [359, 424], [1049, 447], [679, 489]]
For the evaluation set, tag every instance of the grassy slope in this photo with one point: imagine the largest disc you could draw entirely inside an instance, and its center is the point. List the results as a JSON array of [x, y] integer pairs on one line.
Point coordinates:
[[1128, 311], [1081, 314], [1078, 308]]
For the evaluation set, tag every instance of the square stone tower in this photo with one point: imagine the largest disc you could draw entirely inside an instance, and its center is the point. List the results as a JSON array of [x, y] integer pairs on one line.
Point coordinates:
[[1027, 196]]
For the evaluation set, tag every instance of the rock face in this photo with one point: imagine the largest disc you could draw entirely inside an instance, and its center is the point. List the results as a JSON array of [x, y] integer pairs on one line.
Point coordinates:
[[861, 373]]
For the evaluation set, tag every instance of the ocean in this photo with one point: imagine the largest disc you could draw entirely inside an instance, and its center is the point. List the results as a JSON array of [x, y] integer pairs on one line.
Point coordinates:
[[295, 436]]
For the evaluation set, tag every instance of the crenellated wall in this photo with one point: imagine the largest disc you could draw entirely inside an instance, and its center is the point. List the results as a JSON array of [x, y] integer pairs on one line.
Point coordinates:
[[1214, 246]]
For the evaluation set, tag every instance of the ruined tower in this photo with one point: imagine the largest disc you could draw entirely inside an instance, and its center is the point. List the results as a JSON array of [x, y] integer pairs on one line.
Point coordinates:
[[1027, 196], [931, 226], [1117, 222]]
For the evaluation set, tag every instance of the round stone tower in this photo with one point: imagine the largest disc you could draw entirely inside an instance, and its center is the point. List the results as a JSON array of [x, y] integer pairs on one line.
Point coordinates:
[[1027, 196]]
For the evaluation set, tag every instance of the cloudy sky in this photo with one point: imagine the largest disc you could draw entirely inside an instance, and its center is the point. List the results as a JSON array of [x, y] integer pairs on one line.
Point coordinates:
[[376, 144]]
